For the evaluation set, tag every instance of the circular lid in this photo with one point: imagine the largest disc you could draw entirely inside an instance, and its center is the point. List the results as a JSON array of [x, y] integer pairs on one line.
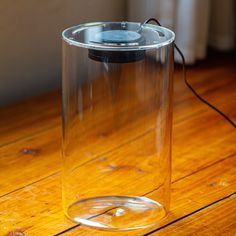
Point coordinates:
[[118, 36]]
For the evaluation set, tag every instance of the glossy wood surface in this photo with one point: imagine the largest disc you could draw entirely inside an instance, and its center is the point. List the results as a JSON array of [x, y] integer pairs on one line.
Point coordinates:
[[203, 162]]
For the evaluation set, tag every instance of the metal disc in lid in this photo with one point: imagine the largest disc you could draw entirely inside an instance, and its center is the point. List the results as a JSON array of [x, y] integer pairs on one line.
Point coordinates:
[[118, 36]]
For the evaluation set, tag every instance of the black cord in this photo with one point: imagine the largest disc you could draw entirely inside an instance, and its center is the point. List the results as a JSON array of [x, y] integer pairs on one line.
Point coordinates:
[[189, 85]]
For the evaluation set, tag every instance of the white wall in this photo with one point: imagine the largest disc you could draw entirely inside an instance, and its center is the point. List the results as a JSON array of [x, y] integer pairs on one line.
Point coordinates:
[[30, 41]]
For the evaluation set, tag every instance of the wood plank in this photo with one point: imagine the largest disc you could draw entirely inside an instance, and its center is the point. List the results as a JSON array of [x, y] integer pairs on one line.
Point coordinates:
[[29, 160], [43, 150], [30, 117], [48, 143], [36, 208], [217, 219], [39, 156], [43, 112], [188, 195]]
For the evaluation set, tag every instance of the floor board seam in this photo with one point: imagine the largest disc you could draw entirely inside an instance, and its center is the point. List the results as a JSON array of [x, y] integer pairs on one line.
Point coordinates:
[[190, 214], [227, 157], [24, 138], [27, 185]]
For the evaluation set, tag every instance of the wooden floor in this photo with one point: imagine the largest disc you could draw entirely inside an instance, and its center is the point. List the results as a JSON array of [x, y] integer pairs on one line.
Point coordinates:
[[203, 163]]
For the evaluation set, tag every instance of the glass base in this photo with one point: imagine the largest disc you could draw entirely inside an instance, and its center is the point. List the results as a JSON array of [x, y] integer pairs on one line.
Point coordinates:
[[117, 212]]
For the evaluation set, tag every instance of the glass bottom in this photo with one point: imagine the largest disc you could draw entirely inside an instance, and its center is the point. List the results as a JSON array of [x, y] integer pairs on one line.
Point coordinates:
[[117, 212]]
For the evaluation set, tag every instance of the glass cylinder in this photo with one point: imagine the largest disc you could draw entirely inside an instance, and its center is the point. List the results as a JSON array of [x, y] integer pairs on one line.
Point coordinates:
[[117, 121]]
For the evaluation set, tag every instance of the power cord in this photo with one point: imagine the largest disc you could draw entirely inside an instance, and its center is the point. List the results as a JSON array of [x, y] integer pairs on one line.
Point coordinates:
[[189, 85]]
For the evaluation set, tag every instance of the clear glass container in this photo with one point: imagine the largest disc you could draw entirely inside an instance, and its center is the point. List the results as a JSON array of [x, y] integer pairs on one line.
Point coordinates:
[[117, 121]]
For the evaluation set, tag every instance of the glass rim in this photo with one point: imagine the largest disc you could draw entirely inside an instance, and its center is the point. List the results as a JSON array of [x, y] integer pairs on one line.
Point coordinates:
[[70, 41]]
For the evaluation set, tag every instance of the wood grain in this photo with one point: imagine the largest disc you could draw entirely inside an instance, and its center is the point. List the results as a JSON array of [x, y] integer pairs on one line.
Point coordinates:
[[217, 219], [29, 160], [37, 210], [29, 118], [45, 151], [44, 148], [203, 159]]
